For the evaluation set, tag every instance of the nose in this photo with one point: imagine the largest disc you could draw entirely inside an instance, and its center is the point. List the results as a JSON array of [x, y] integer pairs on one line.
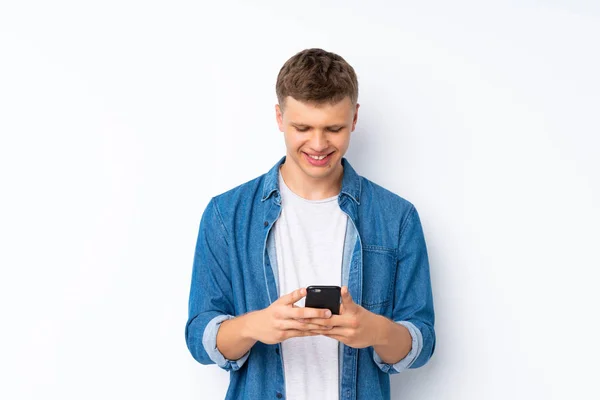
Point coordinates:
[[319, 141]]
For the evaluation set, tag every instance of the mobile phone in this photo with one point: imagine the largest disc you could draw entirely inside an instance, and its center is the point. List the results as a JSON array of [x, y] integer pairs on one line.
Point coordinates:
[[324, 297]]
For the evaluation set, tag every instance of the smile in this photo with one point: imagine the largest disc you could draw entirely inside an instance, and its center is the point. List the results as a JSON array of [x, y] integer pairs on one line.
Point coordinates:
[[318, 160]]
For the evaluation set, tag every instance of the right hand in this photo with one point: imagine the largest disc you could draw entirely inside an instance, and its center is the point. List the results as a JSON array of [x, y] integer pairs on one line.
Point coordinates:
[[283, 320]]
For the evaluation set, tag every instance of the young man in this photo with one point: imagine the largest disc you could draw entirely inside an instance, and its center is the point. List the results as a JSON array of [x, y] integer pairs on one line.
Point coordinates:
[[311, 220]]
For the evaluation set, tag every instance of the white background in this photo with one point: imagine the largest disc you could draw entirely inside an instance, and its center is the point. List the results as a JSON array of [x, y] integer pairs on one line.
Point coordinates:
[[120, 119]]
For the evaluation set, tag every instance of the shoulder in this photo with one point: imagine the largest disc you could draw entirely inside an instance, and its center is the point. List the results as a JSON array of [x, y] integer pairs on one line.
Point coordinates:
[[388, 214], [245, 195], [388, 201]]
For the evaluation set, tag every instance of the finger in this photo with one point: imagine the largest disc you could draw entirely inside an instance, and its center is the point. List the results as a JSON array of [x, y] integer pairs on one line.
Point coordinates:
[[310, 312], [347, 301], [335, 320], [297, 333], [292, 297], [297, 325], [336, 330]]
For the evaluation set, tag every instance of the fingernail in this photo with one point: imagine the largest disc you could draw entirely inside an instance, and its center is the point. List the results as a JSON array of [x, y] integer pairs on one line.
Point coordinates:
[[327, 314]]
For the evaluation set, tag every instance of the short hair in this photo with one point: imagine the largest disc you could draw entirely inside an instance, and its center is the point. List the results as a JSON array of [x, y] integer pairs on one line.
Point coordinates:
[[317, 76]]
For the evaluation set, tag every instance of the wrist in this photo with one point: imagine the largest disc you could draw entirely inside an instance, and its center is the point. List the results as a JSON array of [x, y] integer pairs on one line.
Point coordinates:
[[247, 325], [382, 330]]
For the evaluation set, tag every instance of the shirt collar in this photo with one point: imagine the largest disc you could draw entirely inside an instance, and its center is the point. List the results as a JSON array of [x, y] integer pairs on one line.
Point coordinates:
[[350, 181]]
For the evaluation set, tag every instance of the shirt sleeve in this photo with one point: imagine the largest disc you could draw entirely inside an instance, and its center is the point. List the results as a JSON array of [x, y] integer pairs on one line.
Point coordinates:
[[209, 341], [413, 298], [409, 359], [211, 293]]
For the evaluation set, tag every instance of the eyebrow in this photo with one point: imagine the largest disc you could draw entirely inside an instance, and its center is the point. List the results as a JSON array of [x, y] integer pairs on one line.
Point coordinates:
[[299, 125]]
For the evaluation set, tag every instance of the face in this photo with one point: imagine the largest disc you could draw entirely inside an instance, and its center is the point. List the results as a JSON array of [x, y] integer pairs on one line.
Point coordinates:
[[316, 130]]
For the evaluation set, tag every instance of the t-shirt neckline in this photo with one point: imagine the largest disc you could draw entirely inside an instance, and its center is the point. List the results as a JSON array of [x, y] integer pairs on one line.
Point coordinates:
[[288, 190]]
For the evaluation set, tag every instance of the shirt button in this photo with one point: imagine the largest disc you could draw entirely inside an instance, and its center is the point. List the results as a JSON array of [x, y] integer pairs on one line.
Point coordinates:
[[279, 395], [266, 223]]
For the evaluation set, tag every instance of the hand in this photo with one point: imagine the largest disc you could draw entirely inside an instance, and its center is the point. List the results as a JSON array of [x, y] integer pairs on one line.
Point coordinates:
[[283, 320], [355, 326]]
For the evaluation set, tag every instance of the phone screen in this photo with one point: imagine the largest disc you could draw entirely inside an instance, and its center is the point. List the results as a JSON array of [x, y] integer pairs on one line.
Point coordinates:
[[324, 297]]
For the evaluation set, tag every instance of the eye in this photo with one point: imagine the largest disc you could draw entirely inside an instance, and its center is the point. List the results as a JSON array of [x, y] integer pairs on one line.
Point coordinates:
[[335, 130], [302, 130]]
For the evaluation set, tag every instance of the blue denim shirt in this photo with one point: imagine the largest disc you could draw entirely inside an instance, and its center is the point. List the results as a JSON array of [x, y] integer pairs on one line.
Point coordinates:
[[385, 266]]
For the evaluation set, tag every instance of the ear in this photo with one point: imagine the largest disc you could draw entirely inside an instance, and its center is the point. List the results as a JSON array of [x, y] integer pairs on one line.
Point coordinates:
[[279, 117], [355, 117]]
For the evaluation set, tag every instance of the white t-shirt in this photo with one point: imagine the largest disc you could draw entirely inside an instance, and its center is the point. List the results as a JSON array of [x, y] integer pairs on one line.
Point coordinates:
[[309, 241]]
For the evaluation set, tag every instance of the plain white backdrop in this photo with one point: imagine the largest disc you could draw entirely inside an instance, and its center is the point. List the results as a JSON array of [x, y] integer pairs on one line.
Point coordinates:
[[120, 119]]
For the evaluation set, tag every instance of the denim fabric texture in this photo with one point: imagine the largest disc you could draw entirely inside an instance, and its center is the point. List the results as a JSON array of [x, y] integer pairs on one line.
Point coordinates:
[[385, 266]]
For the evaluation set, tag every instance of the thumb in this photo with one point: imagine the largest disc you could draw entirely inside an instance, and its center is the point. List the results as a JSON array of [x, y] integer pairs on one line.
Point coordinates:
[[291, 298], [347, 301]]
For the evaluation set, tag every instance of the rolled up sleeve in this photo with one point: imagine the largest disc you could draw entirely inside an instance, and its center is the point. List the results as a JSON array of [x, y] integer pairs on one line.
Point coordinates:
[[406, 362], [209, 341], [211, 293], [413, 298]]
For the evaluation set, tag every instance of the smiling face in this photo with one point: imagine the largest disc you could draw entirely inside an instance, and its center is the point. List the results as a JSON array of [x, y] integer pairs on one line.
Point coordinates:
[[316, 130]]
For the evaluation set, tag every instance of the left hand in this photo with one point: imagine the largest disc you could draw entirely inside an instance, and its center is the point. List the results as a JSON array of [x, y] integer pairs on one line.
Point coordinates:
[[355, 326]]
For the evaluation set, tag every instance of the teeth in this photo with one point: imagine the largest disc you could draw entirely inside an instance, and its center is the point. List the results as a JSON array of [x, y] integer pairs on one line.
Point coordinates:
[[317, 157]]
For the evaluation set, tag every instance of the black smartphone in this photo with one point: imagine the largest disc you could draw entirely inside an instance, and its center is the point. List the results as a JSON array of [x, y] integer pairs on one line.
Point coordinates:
[[324, 297]]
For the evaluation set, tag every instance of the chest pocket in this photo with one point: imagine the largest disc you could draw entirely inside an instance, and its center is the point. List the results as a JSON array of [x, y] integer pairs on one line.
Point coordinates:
[[379, 271]]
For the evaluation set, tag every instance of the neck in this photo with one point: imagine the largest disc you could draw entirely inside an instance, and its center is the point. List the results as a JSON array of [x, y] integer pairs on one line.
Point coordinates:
[[309, 187]]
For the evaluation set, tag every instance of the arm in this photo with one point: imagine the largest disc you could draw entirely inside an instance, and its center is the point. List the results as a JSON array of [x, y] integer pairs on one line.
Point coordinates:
[[413, 303], [234, 339], [395, 340], [211, 294]]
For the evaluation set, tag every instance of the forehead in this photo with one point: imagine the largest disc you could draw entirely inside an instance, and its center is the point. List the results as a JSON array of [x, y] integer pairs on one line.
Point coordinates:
[[317, 114]]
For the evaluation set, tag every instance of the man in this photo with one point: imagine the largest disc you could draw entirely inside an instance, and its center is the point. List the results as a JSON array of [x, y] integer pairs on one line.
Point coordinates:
[[311, 220]]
